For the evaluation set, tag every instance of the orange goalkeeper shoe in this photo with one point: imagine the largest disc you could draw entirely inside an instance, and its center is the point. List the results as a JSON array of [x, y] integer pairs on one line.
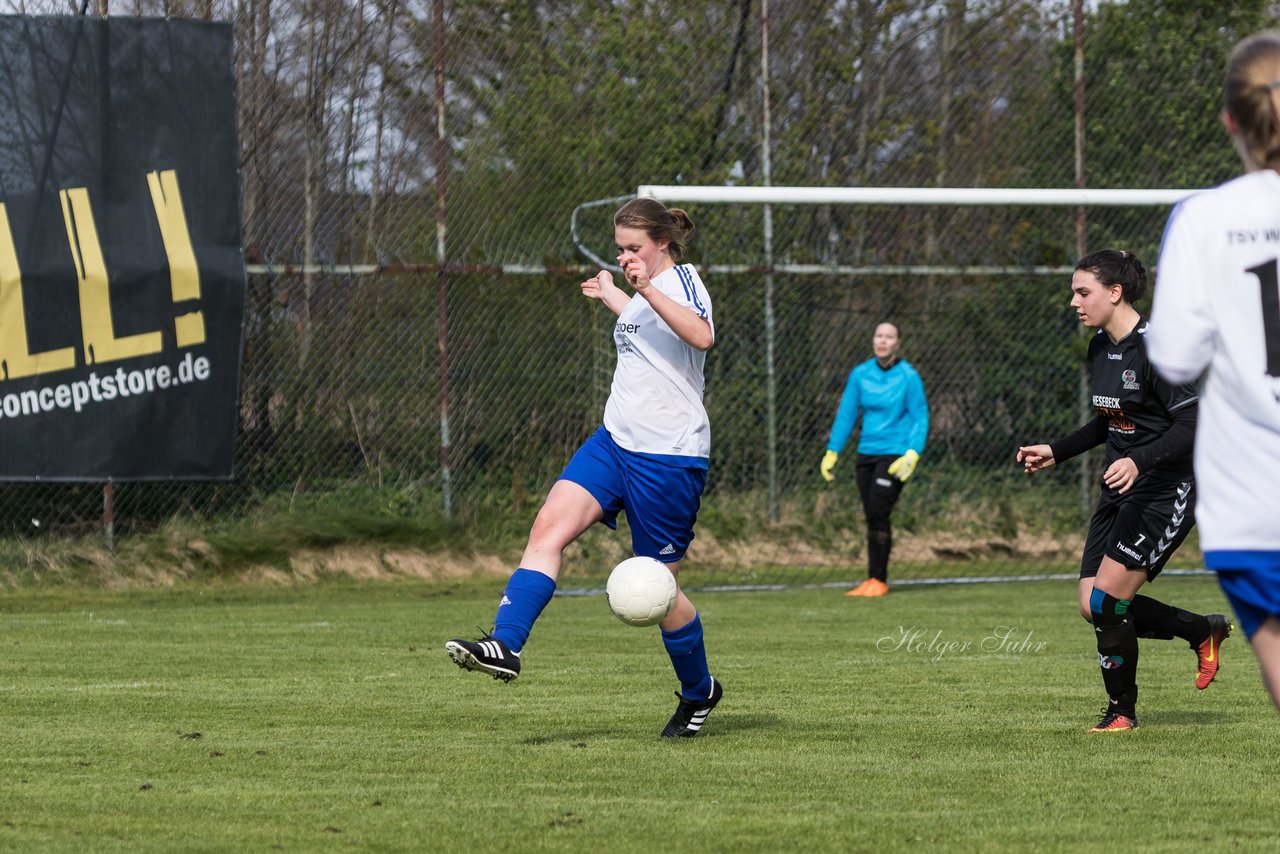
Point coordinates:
[[870, 587], [1208, 651], [860, 590]]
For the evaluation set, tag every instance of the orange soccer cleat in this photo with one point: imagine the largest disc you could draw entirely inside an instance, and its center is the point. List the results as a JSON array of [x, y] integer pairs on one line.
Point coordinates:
[[1208, 650], [870, 587], [1115, 722]]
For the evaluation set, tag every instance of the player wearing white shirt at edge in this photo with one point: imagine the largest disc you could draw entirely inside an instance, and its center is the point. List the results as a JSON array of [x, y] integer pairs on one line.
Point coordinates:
[[649, 459], [1217, 313]]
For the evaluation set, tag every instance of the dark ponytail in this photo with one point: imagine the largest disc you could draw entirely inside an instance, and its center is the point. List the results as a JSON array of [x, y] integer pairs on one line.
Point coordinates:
[[1117, 267]]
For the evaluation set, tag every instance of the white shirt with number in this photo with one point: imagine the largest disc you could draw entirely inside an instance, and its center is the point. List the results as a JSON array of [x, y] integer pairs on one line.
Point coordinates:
[[1217, 307], [655, 404]]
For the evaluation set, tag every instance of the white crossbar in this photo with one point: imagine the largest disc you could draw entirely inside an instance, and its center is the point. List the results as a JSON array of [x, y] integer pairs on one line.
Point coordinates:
[[907, 195]]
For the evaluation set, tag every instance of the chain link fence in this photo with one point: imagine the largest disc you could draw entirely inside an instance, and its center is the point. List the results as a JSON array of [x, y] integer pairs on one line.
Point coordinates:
[[415, 339]]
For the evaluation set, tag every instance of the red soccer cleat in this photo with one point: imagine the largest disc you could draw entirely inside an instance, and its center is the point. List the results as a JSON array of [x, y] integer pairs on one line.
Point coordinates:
[[1115, 722], [1207, 652]]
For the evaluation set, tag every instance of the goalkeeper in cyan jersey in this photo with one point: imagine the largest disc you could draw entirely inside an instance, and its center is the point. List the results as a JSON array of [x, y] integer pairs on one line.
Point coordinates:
[[886, 392]]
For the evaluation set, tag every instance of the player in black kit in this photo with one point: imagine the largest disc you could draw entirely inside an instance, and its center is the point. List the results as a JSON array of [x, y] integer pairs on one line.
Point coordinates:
[[1147, 503]]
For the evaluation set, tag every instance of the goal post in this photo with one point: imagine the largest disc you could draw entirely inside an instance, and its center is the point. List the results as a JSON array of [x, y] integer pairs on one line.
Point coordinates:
[[901, 197]]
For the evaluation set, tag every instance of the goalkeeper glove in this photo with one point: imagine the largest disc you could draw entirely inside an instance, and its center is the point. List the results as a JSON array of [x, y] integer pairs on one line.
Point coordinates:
[[903, 467], [828, 464]]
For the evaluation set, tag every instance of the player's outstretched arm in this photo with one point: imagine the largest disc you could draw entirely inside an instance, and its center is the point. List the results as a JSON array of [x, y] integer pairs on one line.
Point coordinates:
[[601, 287], [1035, 457]]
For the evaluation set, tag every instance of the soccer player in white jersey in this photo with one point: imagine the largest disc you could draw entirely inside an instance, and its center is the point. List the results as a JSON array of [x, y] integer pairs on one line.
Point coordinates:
[[1217, 310], [649, 459]]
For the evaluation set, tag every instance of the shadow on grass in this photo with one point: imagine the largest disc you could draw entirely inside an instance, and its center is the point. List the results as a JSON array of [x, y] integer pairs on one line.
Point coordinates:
[[718, 726], [574, 738], [736, 723], [1187, 717]]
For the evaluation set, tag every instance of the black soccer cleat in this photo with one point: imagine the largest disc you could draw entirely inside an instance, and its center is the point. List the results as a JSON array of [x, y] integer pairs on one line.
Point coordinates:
[[487, 655], [692, 714]]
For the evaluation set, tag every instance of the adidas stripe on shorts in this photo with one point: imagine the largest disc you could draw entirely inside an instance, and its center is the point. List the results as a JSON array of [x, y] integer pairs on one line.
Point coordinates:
[[660, 499]]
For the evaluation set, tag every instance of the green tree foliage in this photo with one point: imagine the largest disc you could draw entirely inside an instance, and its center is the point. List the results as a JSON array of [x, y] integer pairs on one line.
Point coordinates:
[[1153, 91], [552, 103], [574, 101]]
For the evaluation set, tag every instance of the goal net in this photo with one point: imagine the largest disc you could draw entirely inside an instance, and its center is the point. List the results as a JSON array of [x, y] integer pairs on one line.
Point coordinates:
[[978, 280]]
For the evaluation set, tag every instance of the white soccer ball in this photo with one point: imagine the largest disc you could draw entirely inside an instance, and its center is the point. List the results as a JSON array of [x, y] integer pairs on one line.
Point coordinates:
[[641, 591]]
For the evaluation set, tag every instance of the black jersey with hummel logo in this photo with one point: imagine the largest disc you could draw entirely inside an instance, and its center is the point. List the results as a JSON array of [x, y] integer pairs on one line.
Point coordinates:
[[1137, 403]]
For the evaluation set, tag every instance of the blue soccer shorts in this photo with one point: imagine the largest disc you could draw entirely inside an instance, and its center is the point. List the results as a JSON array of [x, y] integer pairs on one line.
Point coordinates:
[[660, 499], [1251, 580]]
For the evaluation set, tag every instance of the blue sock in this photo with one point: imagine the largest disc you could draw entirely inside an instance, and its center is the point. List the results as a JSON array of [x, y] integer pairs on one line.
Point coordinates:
[[1102, 602], [528, 592], [689, 658]]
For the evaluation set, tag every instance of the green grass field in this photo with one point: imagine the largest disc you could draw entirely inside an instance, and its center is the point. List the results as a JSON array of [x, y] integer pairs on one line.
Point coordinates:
[[327, 717]]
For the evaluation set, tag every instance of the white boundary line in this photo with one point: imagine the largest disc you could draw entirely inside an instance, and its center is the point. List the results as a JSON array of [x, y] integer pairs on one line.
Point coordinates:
[[905, 582]]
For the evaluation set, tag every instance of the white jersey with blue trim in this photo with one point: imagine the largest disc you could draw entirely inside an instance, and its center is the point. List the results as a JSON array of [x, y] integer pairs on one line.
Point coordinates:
[[655, 404], [1217, 308]]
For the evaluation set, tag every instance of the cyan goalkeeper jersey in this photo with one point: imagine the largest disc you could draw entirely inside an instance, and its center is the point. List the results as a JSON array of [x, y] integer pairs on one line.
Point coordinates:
[[895, 415]]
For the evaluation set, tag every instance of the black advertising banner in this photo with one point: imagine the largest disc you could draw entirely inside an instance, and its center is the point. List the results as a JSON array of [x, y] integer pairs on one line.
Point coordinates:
[[122, 282]]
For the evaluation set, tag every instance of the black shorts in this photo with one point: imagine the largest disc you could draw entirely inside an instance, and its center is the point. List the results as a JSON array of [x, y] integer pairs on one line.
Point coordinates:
[[1142, 528]]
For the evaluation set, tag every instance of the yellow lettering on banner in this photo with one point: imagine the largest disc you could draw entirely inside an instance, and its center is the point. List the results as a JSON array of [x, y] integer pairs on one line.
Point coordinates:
[[16, 359], [184, 275], [100, 342]]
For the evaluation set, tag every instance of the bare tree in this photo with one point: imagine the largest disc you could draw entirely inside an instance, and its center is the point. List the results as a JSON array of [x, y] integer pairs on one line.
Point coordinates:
[[386, 73]]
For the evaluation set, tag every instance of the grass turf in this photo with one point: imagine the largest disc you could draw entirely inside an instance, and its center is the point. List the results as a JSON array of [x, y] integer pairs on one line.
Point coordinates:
[[328, 717]]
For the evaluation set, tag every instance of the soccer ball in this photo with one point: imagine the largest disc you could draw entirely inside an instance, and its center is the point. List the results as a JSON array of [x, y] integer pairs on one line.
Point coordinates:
[[641, 591]]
